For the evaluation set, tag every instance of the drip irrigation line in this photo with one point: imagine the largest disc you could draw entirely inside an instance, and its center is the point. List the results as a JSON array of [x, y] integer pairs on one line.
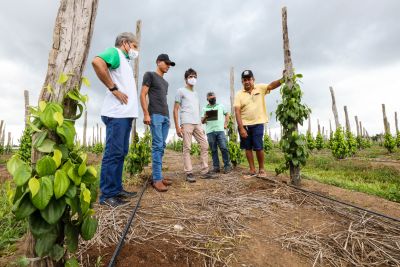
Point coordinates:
[[127, 226]]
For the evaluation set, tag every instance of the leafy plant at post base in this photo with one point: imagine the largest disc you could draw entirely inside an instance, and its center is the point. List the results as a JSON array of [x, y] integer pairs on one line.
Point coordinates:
[[25, 146], [139, 154], [98, 148], [310, 141], [291, 112], [267, 145], [235, 153], [56, 194], [195, 149], [351, 142], [398, 139], [319, 141], [339, 146], [389, 142], [331, 137]]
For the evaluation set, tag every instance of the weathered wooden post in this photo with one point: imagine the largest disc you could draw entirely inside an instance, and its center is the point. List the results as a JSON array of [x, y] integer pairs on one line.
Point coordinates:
[[361, 132], [385, 120], [93, 138], [71, 42], [319, 126], [294, 170], [9, 140], [309, 125], [232, 95], [136, 72], [357, 126], [330, 126], [334, 108], [98, 134], [26, 101], [101, 135], [84, 143], [396, 122], [347, 119], [1, 129]]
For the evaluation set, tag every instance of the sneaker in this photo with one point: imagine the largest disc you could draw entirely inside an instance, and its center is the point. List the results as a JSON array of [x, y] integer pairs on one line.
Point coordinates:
[[227, 169], [190, 178], [208, 175], [215, 171], [126, 194], [114, 202]]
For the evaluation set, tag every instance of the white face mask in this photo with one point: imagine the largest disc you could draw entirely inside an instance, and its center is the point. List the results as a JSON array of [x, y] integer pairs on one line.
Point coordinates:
[[192, 81], [133, 53]]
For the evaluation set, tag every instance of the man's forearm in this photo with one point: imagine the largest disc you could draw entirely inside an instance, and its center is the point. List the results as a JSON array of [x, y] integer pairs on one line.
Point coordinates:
[[101, 70], [275, 84], [238, 118], [176, 121], [143, 103]]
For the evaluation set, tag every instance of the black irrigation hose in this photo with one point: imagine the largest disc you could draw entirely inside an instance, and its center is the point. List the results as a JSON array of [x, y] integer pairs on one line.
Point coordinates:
[[127, 226], [344, 203]]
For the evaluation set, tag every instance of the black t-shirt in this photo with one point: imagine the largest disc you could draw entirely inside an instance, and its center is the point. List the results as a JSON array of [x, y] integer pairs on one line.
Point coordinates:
[[158, 91]]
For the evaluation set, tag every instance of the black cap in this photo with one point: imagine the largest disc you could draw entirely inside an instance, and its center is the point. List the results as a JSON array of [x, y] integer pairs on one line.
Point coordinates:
[[165, 58], [247, 74]]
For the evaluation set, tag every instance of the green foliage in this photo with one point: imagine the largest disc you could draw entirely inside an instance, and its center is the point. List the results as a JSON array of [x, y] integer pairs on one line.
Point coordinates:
[[398, 139], [176, 145], [267, 143], [25, 146], [339, 146], [57, 194], [98, 148], [363, 143], [139, 154], [351, 143], [195, 149], [11, 230], [235, 153], [319, 141], [389, 142], [310, 141], [291, 112]]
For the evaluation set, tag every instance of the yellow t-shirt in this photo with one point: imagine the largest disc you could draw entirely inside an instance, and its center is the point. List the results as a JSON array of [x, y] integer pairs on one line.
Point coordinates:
[[252, 105]]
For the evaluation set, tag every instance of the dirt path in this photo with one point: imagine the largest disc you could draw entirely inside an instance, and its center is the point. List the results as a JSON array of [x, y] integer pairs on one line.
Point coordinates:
[[230, 221]]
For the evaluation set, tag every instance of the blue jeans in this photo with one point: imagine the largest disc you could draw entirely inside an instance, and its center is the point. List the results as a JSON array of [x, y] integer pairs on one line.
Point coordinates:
[[159, 130], [117, 146], [215, 140]]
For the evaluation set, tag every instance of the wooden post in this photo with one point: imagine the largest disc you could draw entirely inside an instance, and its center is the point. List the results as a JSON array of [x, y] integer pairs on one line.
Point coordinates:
[[3, 135], [84, 129], [71, 43], [396, 122], [93, 138], [334, 109], [26, 100], [385, 120], [232, 91], [361, 132], [101, 135], [347, 119], [309, 125], [98, 134], [357, 125], [1, 129], [9, 140], [323, 130], [136, 73], [330, 126], [319, 127], [294, 170]]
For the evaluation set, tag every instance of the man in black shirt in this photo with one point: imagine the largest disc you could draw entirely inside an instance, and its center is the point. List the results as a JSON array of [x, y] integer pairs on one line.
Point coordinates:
[[157, 116]]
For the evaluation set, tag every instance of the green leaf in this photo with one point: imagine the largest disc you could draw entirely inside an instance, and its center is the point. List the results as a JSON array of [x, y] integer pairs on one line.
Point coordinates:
[[71, 192], [54, 210], [88, 228], [67, 165], [47, 146], [39, 226], [42, 198], [73, 175], [74, 95], [59, 118], [73, 203], [34, 186], [67, 133], [63, 78], [90, 176], [36, 129], [82, 169], [61, 183], [85, 81], [57, 156], [45, 243], [25, 208], [86, 195], [72, 235], [42, 105], [14, 163], [22, 174], [73, 262], [46, 166], [39, 138], [47, 116], [57, 252]]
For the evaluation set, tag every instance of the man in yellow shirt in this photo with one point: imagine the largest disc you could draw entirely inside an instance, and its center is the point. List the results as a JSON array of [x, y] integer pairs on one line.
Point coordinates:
[[251, 115]]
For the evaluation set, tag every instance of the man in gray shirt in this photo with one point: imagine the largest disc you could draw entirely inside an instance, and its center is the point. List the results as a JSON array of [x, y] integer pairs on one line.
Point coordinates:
[[187, 101], [157, 116]]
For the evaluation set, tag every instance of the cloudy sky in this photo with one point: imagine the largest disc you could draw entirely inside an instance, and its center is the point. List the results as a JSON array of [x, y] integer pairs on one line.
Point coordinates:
[[352, 46]]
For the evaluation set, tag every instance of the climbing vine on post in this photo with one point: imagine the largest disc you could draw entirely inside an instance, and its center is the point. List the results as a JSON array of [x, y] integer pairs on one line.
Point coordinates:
[[235, 153], [290, 113]]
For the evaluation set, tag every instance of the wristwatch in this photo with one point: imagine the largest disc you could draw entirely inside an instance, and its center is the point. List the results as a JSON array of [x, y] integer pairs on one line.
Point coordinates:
[[114, 88]]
